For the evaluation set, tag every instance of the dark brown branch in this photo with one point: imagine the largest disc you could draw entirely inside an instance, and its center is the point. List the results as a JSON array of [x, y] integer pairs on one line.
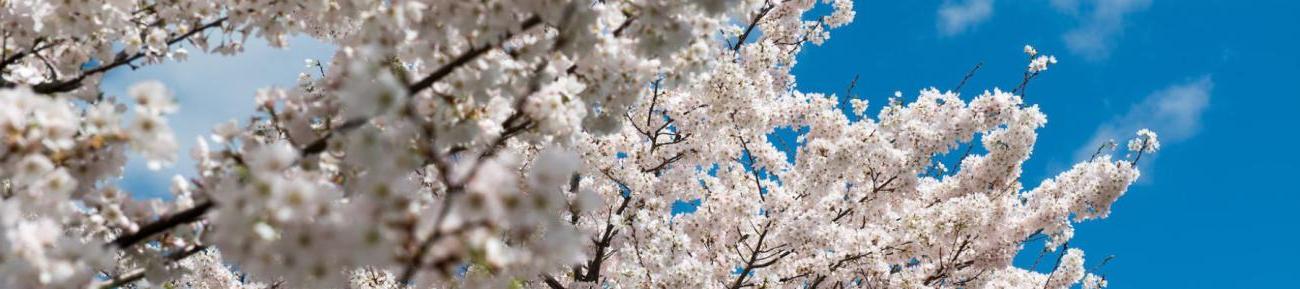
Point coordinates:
[[1024, 83], [121, 59], [136, 275], [623, 27], [847, 259], [319, 145], [18, 56], [767, 6], [1103, 263], [1100, 148], [640, 258], [514, 125], [418, 259], [187, 253], [593, 266], [878, 188], [125, 279], [48, 66], [841, 214], [36, 48], [665, 163], [852, 84], [966, 281], [1141, 150], [654, 99], [602, 244], [753, 171], [969, 74], [947, 266], [551, 282], [833, 267], [322, 143], [1064, 248], [574, 182], [632, 122], [677, 137], [755, 260], [969, 147], [465, 58], [163, 224], [817, 282]]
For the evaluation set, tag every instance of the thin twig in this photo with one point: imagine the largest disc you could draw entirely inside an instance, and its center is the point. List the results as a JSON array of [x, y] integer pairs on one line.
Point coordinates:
[[968, 76], [752, 170]]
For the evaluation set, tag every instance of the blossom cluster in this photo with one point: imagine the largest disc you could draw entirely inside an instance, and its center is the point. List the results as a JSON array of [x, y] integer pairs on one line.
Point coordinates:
[[55, 215], [519, 144]]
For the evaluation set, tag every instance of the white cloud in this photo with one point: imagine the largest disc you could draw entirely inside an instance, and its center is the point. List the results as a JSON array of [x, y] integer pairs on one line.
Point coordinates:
[[1100, 23], [1173, 112], [211, 89], [956, 18]]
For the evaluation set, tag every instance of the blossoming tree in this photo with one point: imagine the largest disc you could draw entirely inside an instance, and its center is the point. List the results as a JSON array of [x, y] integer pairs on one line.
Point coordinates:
[[517, 144]]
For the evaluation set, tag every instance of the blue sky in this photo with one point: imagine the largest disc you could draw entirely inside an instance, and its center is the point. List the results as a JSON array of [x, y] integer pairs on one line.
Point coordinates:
[[1214, 208]]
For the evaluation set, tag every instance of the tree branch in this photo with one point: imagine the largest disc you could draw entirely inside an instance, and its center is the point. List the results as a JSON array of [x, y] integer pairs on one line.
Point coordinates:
[[465, 58], [128, 278], [767, 6], [1060, 257], [1024, 83], [602, 244], [319, 145], [756, 260], [137, 274], [969, 74], [121, 59], [514, 125], [18, 56], [551, 282], [753, 171], [163, 224]]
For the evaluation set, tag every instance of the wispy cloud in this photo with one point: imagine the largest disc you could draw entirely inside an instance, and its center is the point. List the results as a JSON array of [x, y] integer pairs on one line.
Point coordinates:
[[1173, 112], [958, 16], [1100, 21], [210, 89]]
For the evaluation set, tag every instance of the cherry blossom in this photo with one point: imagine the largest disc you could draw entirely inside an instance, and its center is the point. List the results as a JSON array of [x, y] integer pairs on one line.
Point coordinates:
[[520, 144]]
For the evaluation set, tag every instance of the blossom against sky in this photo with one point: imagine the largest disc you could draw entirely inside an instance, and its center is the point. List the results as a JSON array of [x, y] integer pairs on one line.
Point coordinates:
[[1211, 77], [211, 89], [1204, 74]]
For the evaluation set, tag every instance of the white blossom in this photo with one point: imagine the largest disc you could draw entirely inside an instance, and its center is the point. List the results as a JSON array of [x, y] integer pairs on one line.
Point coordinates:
[[151, 97], [518, 144], [1146, 141], [1040, 63]]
